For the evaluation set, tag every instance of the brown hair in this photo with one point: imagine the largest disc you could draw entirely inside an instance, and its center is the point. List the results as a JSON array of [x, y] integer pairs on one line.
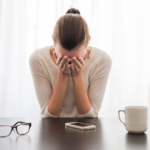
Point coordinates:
[[71, 30]]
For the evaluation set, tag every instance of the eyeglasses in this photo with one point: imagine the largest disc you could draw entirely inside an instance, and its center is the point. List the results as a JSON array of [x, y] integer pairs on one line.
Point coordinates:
[[21, 129]]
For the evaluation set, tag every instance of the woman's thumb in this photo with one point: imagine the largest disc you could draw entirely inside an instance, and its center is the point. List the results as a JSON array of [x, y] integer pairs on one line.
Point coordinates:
[[54, 55]]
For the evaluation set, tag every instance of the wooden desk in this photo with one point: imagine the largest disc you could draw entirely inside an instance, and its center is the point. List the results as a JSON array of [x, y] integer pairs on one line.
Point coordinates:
[[51, 134]]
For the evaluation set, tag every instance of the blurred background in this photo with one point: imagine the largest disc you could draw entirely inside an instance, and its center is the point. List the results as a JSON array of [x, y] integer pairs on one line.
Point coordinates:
[[119, 27]]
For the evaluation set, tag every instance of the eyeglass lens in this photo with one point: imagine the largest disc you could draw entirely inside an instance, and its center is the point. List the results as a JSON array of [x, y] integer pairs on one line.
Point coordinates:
[[5, 130], [22, 129]]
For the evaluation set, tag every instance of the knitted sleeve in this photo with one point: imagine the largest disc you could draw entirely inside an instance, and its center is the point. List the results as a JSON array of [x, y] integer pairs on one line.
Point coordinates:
[[98, 82], [41, 84]]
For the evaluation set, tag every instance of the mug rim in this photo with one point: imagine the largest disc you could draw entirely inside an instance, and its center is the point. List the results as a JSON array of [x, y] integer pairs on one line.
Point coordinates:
[[136, 107]]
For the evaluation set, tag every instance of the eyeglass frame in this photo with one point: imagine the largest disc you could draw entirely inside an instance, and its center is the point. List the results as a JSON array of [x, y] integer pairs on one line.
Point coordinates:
[[14, 126]]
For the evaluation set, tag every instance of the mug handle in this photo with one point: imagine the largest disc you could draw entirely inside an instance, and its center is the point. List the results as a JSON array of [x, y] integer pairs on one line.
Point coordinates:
[[119, 115]]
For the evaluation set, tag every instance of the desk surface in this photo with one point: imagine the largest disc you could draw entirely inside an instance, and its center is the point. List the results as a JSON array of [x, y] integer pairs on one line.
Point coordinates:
[[51, 134]]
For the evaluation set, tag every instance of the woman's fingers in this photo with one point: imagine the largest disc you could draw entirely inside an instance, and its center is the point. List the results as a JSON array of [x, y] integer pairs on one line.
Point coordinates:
[[75, 67], [63, 62], [75, 61], [72, 68], [59, 60], [85, 57], [54, 54], [68, 68], [81, 60], [66, 65]]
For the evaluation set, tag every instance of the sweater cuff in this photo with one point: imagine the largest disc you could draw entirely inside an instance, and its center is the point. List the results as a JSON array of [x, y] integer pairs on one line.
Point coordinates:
[[48, 114], [90, 113]]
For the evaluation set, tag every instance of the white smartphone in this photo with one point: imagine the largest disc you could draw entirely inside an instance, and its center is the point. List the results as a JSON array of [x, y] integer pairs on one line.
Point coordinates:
[[80, 125]]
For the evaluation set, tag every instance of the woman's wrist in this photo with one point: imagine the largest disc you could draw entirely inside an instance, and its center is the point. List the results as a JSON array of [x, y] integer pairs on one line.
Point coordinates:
[[64, 76]]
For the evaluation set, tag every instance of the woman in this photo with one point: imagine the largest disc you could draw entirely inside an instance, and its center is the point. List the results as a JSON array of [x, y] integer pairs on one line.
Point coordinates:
[[70, 78]]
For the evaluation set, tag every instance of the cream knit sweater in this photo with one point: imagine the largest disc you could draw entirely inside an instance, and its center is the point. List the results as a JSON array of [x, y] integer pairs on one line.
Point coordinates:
[[45, 72]]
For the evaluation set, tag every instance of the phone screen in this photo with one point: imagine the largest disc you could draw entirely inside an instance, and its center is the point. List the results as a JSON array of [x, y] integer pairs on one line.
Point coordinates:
[[80, 124]]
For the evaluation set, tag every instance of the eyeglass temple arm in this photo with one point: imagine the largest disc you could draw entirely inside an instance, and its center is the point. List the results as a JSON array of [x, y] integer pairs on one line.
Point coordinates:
[[19, 122]]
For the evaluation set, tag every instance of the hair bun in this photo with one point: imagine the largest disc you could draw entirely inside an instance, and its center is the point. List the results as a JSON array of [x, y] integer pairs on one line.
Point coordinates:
[[73, 11]]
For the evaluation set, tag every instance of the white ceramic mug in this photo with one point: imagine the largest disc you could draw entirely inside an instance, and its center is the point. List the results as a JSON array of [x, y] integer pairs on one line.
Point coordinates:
[[136, 119]]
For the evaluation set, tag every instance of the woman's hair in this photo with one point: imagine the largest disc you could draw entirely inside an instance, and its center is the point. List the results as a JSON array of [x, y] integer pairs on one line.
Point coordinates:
[[71, 30]]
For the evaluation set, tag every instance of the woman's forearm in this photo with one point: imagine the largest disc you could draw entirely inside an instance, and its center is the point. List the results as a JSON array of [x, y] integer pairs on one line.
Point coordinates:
[[81, 98], [58, 97]]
